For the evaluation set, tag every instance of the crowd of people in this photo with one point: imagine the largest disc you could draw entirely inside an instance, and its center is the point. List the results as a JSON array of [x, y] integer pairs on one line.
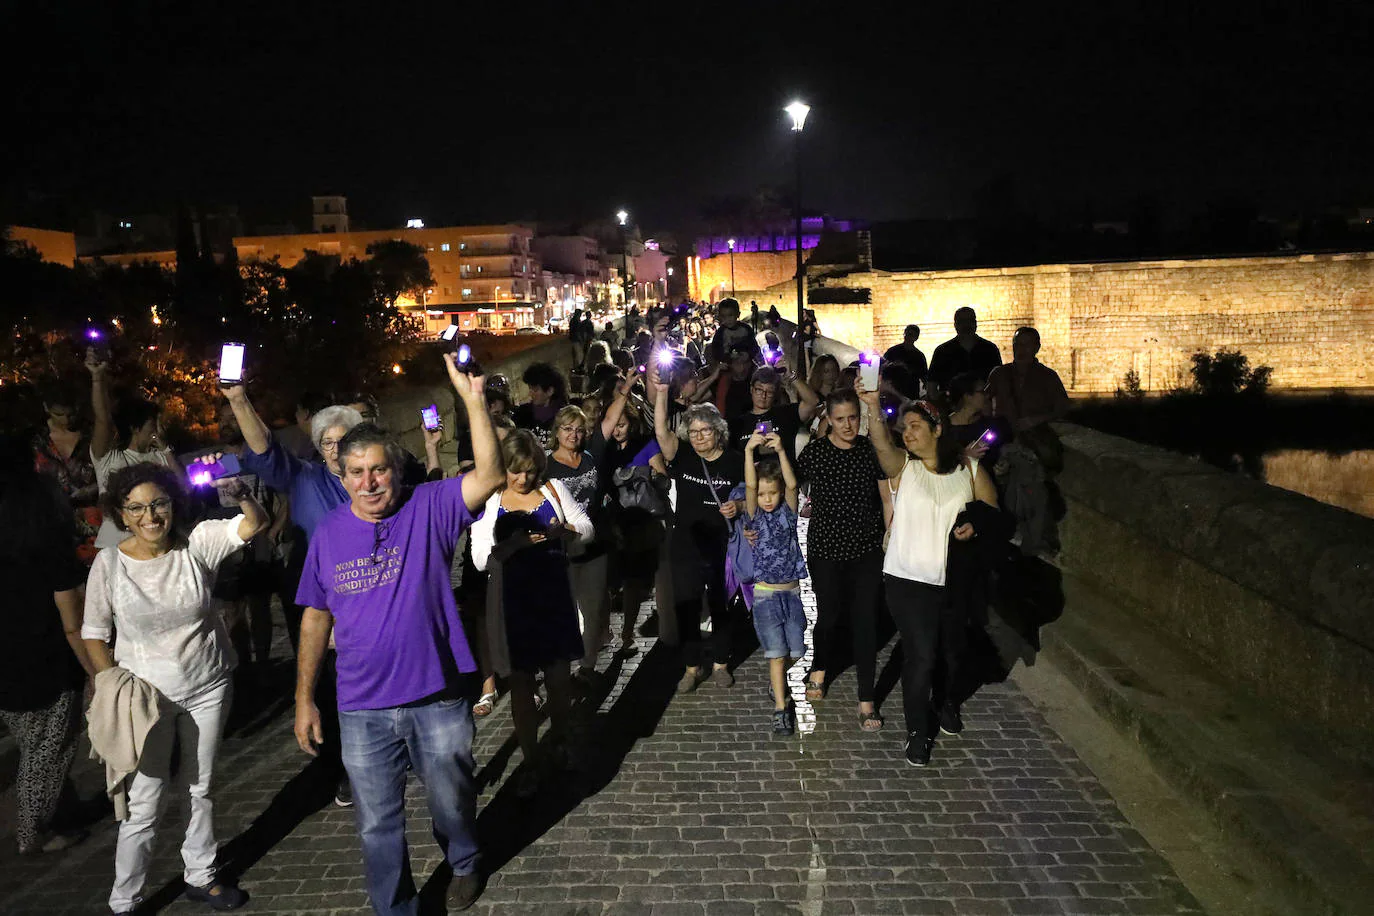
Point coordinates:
[[678, 460]]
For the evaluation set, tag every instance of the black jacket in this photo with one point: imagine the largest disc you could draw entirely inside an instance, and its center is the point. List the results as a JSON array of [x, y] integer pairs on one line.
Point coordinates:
[[970, 574]]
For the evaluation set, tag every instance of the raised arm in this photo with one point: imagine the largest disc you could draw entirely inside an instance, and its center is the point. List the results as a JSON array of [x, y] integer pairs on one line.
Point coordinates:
[[789, 476], [432, 440], [489, 472], [667, 442], [751, 475], [617, 405], [255, 433], [102, 407], [889, 456], [807, 399], [255, 517]]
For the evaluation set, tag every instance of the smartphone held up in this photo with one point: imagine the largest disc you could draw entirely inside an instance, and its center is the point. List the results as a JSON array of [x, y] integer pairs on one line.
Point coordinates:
[[869, 370], [462, 353], [429, 417], [203, 474], [231, 364]]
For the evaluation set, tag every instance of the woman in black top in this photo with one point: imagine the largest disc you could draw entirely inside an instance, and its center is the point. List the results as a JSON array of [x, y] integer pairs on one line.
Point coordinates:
[[705, 475], [46, 664], [548, 395], [844, 548]]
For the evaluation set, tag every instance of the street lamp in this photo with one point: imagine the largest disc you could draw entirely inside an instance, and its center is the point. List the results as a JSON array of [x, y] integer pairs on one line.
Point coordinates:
[[798, 111], [623, 217], [731, 243]]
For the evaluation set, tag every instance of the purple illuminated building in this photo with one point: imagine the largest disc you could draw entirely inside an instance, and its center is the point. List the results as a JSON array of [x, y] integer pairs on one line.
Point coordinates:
[[783, 238]]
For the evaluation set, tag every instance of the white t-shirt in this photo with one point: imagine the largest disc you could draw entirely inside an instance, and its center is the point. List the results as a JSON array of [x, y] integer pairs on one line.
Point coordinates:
[[923, 514], [171, 631], [117, 459]]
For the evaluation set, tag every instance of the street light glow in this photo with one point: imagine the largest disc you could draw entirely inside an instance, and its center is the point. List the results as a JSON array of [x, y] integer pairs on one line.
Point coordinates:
[[731, 243], [621, 216], [798, 111]]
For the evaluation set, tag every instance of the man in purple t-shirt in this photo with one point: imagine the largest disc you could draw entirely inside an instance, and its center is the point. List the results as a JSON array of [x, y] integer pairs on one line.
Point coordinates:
[[377, 575]]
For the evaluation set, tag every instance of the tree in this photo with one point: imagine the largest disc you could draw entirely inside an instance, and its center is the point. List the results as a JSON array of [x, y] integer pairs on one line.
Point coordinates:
[[399, 268]]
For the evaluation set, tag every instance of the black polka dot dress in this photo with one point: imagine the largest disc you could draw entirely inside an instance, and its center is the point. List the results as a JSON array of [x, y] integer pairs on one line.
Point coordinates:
[[846, 510]]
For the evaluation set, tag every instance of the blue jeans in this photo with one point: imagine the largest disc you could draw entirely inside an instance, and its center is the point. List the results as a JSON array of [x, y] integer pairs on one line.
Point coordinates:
[[780, 622], [436, 739]]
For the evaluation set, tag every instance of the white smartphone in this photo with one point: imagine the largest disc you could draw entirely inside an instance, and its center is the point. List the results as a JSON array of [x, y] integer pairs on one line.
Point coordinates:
[[231, 364], [868, 370]]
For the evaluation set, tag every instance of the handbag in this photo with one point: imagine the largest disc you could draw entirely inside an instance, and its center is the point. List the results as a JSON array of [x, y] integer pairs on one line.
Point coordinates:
[[635, 488], [739, 555]]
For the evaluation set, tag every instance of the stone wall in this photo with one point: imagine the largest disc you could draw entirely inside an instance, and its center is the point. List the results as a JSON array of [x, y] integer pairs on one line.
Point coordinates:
[[755, 273], [1273, 589], [1310, 317]]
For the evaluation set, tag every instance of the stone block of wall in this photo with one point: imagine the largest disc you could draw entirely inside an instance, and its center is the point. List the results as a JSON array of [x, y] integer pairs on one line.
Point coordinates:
[[1275, 589]]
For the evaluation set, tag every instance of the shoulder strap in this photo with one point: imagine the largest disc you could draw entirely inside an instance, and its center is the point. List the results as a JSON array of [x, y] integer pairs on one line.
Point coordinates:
[[557, 501], [710, 484]]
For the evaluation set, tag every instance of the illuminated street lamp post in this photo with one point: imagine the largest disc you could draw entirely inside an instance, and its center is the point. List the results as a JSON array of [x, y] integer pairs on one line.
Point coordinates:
[[731, 243], [797, 111], [623, 218]]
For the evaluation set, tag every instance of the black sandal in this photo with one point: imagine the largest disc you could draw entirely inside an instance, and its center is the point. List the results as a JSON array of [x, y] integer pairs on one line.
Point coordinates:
[[815, 690]]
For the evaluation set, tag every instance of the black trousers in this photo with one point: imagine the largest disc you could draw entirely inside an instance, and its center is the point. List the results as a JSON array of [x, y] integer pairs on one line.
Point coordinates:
[[932, 632], [847, 591], [699, 569]]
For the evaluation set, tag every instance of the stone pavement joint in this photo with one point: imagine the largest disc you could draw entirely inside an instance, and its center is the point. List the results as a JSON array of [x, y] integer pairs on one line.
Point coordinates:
[[686, 806]]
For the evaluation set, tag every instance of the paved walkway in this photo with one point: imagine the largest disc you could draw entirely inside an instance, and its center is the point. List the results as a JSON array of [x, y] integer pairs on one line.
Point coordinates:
[[690, 806]]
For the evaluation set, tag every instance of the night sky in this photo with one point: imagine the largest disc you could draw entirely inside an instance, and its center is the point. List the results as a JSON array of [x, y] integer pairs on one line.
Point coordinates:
[[570, 111]]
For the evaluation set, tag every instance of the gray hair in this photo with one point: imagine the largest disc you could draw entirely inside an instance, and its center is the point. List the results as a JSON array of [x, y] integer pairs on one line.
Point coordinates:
[[708, 414], [338, 415], [365, 435]]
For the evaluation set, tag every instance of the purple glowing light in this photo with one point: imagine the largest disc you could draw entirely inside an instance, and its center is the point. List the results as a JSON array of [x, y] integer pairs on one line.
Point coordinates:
[[201, 478], [93, 334]]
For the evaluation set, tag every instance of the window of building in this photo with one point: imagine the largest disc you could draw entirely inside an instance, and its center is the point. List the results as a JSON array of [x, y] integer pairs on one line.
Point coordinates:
[[462, 246], [466, 292], [444, 247], [479, 268]]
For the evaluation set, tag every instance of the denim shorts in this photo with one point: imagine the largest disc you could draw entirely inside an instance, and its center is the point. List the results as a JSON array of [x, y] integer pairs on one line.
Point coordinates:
[[780, 622]]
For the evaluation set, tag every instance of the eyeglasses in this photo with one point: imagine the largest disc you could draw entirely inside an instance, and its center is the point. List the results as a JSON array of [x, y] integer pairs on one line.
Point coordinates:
[[379, 534], [700, 433], [571, 429], [328, 445], [159, 507]]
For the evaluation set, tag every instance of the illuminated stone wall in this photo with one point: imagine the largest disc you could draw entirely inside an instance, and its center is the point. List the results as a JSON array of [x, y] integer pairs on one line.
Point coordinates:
[[755, 273], [1310, 317]]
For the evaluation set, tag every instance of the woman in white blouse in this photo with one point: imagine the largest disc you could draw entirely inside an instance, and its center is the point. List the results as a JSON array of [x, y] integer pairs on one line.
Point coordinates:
[[154, 588], [932, 480]]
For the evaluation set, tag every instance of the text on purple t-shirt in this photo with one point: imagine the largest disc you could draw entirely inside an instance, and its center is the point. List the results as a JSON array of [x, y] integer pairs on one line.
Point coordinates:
[[396, 624]]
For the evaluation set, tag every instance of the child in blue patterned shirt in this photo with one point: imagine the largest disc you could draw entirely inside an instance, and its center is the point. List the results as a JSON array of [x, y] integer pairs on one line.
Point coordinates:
[[770, 494]]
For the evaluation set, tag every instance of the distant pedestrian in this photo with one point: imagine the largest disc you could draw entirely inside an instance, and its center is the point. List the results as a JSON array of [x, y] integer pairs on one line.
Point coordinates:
[[965, 352], [909, 355]]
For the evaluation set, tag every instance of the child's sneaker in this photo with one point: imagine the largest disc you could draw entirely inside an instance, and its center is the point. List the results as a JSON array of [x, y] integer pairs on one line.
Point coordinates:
[[783, 723]]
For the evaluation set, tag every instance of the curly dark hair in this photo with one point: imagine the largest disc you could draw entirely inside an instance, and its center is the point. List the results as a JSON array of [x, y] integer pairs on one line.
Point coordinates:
[[126, 480]]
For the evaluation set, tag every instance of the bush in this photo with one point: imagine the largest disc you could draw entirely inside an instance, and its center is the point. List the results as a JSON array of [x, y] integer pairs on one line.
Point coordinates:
[[1130, 389], [1227, 374]]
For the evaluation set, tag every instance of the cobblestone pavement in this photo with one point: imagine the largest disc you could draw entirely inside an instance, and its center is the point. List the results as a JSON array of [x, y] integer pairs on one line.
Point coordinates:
[[688, 806]]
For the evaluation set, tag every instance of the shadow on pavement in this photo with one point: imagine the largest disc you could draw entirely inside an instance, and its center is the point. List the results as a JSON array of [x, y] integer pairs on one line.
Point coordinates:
[[507, 824], [1030, 595]]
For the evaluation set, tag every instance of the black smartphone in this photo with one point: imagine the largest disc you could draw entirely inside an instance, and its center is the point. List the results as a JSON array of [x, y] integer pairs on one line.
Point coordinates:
[[429, 416]]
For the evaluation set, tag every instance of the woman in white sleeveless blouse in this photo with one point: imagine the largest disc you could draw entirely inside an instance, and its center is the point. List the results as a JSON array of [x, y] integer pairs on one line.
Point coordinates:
[[933, 481]]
